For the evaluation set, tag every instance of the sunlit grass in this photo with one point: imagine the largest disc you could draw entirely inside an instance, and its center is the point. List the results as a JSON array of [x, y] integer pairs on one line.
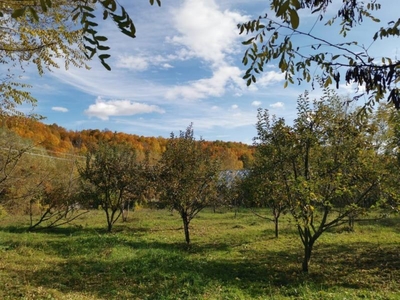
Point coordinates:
[[230, 258]]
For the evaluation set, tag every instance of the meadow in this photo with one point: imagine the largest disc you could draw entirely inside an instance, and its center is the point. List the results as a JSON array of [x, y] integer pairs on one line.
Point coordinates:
[[232, 256]]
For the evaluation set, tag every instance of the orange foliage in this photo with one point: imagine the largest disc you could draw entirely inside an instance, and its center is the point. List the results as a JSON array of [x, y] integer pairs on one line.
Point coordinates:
[[58, 141]]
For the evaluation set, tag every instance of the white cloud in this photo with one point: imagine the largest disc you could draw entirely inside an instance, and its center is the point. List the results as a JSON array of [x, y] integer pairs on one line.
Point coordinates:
[[270, 77], [137, 63], [167, 66], [234, 106], [117, 84], [142, 63], [203, 88], [256, 103], [206, 31], [277, 105], [351, 89], [59, 108], [104, 109]]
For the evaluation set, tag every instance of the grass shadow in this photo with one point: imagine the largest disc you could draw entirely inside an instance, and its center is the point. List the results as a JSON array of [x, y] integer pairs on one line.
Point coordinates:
[[152, 275], [115, 266], [360, 265], [238, 261]]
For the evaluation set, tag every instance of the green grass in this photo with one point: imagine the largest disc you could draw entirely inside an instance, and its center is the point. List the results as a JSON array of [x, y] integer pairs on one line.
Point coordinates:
[[230, 258]]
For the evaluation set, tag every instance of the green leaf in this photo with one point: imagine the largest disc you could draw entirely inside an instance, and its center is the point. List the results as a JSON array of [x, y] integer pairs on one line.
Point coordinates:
[[117, 19], [91, 31], [328, 81], [103, 48], [89, 40], [294, 18], [158, 2], [104, 56], [34, 14], [105, 65], [91, 50], [43, 5], [248, 42], [296, 4], [91, 24], [76, 16], [247, 75], [18, 12], [282, 8], [101, 38], [109, 4], [88, 8]]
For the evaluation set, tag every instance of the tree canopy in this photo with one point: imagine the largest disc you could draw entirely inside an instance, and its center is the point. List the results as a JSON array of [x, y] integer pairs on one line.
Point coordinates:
[[274, 38], [47, 33], [187, 177], [324, 169], [111, 178]]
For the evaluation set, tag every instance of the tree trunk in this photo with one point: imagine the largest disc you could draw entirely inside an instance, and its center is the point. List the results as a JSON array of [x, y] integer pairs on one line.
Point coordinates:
[[186, 227], [276, 214], [351, 223], [109, 225], [308, 245], [109, 220], [125, 211]]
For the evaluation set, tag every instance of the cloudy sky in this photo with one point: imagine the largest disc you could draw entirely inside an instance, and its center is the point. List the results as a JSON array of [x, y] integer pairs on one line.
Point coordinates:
[[183, 67]]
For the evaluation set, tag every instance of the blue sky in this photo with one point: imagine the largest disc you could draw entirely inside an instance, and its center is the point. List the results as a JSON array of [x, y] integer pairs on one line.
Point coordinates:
[[184, 66]]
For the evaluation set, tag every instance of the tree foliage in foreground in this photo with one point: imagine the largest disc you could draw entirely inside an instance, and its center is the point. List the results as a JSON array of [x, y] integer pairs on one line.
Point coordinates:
[[33, 183], [39, 37], [56, 199], [112, 179], [12, 148], [187, 177], [265, 184], [324, 168], [47, 33], [298, 52]]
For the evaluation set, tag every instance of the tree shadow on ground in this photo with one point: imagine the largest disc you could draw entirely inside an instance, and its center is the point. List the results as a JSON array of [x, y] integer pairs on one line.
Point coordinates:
[[155, 275], [356, 265], [74, 229], [392, 222], [169, 271]]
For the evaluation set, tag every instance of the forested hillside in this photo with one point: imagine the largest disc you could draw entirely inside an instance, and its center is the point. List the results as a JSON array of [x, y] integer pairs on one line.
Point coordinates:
[[57, 141]]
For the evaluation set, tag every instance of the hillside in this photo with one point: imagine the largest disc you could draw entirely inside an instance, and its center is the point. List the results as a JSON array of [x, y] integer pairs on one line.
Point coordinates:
[[58, 141]]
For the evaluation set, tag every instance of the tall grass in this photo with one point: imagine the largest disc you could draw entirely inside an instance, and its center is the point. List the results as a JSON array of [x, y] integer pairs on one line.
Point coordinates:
[[230, 258]]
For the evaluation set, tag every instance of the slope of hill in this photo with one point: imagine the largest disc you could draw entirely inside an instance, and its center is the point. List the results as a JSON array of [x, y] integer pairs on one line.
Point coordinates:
[[59, 141]]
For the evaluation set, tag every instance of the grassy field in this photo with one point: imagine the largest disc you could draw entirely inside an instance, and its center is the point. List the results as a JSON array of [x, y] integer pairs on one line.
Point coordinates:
[[230, 258]]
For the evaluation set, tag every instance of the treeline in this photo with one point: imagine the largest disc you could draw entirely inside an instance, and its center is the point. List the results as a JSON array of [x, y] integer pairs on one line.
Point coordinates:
[[58, 141]]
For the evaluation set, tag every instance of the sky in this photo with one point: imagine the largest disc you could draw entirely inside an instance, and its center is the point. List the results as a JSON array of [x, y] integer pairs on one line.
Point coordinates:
[[185, 67]]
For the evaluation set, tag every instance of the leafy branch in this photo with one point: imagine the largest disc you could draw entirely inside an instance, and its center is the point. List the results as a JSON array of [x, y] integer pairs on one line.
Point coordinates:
[[84, 13], [272, 40]]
